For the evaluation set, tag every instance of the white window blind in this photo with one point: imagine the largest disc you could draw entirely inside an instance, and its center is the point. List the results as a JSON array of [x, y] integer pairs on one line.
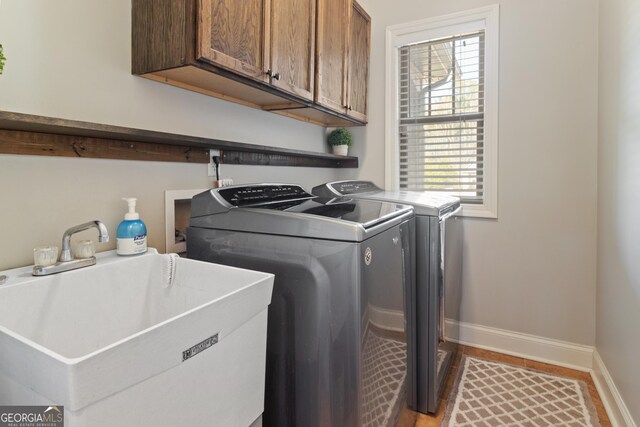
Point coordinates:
[[441, 116]]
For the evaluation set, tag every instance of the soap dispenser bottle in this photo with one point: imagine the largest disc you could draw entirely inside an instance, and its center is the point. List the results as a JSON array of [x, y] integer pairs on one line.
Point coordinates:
[[132, 233]]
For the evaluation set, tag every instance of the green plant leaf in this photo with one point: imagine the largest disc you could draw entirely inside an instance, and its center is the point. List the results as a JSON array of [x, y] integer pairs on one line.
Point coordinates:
[[2, 59], [340, 136]]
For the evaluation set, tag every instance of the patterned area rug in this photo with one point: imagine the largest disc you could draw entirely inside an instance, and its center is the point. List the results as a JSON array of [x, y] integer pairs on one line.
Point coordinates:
[[383, 377], [489, 394]]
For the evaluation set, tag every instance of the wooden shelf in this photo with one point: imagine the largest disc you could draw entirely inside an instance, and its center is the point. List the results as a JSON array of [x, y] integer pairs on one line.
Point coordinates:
[[47, 136]]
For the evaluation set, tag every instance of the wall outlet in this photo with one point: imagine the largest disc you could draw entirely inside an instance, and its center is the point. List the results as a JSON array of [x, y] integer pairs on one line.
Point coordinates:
[[227, 182], [211, 167]]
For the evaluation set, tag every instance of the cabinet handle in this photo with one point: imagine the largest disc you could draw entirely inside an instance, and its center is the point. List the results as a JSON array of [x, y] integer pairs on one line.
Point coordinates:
[[269, 72], [276, 76], [349, 108]]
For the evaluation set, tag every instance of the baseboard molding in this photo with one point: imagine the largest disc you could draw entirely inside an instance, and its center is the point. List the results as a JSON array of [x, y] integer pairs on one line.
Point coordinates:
[[384, 318], [561, 353], [617, 410]]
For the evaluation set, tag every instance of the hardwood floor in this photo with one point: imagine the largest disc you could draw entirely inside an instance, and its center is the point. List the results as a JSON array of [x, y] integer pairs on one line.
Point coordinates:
[[410, 418]]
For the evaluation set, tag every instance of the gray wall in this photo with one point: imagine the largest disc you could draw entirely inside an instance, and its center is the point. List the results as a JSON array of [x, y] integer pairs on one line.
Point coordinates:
[[71, 59], [618, 289], [532, 270]]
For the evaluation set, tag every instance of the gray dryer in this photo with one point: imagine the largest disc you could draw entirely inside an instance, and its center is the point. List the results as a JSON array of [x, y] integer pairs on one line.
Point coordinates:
[[439, 279]]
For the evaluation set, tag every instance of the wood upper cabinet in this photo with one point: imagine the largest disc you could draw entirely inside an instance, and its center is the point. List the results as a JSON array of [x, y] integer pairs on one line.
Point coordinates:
[[344, 30], [267, 40], [331, 67], [292, 46], [307, 59], [233, 35], [358, 62]]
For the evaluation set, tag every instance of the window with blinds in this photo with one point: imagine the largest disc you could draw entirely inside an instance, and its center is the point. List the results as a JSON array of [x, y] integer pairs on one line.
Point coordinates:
[[441, 116]]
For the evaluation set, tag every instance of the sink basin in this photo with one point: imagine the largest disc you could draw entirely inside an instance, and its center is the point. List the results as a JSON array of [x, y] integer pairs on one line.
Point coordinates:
[[117, 344]]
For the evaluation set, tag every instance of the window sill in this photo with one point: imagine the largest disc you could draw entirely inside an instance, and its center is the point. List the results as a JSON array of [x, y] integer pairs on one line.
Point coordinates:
[[478, 211]]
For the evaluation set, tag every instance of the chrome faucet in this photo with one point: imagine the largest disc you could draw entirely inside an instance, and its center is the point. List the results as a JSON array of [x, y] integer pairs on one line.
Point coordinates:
[[67, 261], [103, 237]]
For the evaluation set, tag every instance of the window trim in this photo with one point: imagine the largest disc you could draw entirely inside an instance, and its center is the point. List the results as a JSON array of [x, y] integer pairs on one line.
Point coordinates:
[[486, 18]]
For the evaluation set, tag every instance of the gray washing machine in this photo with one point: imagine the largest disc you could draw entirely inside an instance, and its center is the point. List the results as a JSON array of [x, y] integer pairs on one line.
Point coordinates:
[[439, 279], [337, 337]]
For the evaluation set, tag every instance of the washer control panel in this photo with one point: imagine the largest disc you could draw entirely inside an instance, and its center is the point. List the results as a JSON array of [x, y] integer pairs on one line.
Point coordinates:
[[353, 187], [263, 194]]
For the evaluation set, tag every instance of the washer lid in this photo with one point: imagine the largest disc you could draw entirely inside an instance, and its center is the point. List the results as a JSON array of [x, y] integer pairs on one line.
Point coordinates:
[[289, 210], [424, 202], [367, 213]]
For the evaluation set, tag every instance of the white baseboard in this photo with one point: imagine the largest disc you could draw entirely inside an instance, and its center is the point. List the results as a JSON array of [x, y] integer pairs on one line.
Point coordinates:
[[561, 353], [384, 318], [617, 410]]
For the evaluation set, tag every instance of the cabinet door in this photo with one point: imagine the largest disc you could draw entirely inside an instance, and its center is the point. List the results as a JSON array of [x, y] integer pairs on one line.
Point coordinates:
[[233, 35], [293, 46], [358, 47], [331, 55]]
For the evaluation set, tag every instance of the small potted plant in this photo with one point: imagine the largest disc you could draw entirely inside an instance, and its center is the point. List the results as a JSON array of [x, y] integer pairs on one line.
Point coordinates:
[[340, 140]]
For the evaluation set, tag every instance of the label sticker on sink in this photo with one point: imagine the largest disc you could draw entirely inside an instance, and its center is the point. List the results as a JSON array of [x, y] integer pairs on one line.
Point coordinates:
[[200, 347]]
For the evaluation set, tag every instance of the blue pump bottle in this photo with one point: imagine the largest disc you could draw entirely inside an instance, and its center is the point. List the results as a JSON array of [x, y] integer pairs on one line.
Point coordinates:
[[132, 233]]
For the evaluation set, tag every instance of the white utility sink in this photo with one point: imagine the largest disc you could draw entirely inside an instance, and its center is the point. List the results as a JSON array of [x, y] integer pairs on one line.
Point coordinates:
[[118, 346]]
